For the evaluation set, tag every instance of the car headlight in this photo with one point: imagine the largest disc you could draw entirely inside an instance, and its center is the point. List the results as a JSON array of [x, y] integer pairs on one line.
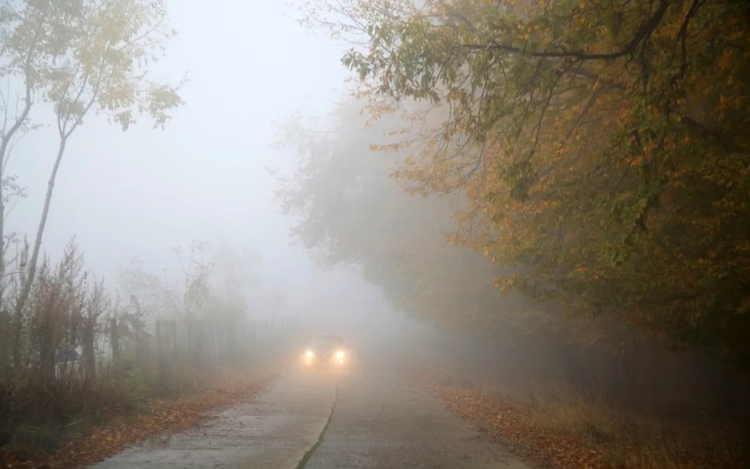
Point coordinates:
[[340, 354], [309, 354]]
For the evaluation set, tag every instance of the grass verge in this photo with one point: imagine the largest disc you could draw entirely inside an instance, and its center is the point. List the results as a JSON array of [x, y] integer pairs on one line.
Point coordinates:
[[581, 435], [154, 417]]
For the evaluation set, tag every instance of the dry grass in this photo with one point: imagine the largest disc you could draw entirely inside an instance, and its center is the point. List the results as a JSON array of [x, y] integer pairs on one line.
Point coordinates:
[[628, 440], [563, 430], [92, 443]]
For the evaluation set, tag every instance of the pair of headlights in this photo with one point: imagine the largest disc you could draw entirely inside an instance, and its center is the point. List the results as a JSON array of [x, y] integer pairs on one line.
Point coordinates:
[[310, 354]]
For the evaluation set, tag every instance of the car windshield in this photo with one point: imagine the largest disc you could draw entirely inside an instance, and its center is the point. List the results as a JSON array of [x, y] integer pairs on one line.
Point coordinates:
[[328, 341]]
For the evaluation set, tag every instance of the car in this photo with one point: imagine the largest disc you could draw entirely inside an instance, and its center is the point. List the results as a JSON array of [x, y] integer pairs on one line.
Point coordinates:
[[326, 350]]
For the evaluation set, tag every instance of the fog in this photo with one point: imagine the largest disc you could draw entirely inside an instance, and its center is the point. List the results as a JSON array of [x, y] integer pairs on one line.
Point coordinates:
[[141, 192], [478, 192]]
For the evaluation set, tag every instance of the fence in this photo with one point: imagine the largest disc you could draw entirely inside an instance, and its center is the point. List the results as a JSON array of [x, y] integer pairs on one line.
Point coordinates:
[[88, 365]]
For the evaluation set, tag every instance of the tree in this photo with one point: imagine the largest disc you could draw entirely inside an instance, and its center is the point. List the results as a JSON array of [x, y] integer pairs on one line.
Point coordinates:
[[54, 320], [600, 144], [83, 56], [152, 292], [350, 212], [97, 305], [234, 273], [161, 295]]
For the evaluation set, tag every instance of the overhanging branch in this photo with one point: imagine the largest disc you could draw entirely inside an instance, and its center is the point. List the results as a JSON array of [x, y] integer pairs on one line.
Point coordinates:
[[643, 34]]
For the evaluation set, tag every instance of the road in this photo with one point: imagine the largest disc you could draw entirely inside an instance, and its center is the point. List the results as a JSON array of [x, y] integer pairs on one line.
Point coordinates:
[[367, 418]]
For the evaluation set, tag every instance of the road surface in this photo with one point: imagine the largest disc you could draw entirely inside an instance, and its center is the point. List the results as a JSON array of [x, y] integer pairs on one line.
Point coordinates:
[[366, 418]]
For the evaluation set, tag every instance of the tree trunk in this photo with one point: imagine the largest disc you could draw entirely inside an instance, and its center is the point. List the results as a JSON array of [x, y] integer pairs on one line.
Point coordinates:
[[137, 342], [4, 345], [3, 337], [216, 347], [574, 370], [593, 372], [188, 340], [48, 347], [29, 280], [728, 384], [114, 339], [173, 324], [623, 383], [4, 142], [159, 350], [89, 354]]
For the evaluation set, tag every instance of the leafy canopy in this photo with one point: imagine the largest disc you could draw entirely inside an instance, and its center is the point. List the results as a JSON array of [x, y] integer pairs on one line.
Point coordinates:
[[84, 54], [601, 145], [349, 211]]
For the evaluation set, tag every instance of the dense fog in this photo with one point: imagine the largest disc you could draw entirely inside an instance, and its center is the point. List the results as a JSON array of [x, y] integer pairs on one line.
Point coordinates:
[[507, 199], [142, 192]]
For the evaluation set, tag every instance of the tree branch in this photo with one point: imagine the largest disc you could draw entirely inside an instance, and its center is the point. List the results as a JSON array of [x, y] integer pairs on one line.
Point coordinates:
[[640, 36]]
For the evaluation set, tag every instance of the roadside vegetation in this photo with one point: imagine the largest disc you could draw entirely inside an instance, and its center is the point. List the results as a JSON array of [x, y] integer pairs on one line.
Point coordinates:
[[558, 189], [146, 421], [79, 358], [89, 360], [571, 432], [565, 378]]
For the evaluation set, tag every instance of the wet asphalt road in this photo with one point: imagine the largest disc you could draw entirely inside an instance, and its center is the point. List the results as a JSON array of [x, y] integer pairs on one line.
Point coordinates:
[[365, 418]]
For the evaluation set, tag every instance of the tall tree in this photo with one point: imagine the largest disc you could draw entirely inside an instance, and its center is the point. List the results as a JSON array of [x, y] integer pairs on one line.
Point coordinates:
[[349, 211], [601, 146], [83, 56]]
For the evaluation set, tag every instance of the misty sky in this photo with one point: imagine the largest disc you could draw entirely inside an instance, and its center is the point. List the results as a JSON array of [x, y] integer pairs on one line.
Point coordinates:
[[141, 192]]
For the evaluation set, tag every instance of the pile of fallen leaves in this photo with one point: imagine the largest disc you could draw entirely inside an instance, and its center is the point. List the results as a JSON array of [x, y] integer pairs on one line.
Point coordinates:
[[509, 422], [158, 418], [503, 421]]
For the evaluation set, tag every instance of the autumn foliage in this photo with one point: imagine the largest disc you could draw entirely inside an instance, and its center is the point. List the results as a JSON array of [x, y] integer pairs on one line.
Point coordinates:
[[575, 442], [601, 146], [576, 198]]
